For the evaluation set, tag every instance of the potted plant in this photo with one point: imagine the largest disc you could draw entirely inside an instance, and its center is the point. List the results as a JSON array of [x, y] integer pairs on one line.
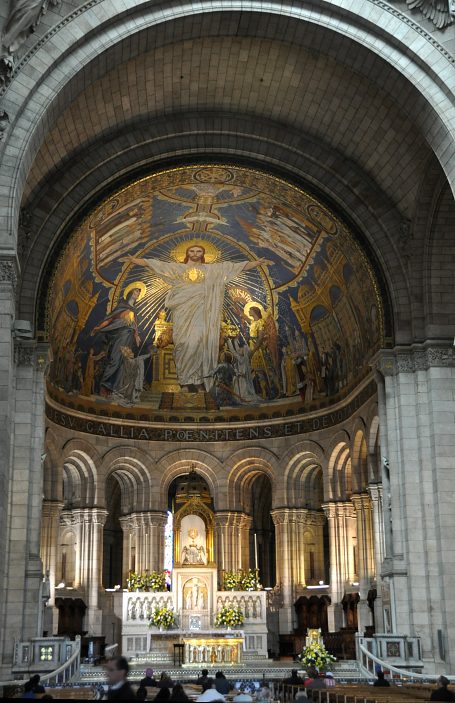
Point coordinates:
[[315, 655], [163, 617], [229, 616]]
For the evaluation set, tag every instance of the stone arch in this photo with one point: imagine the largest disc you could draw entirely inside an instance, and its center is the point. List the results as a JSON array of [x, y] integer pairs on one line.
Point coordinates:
[[180, 461], [243, 466], [359, 452], [265, 145], [132, 467], [339, 467], [301, 462], [382, 37], [134, 482], [80, 459]]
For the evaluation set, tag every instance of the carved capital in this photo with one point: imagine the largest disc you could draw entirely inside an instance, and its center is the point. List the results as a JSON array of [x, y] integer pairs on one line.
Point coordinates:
[[4, 117], [361, 502], [6, 75], [8, 272], [375, 491], [24, 353], [52, 508], [411, 359]]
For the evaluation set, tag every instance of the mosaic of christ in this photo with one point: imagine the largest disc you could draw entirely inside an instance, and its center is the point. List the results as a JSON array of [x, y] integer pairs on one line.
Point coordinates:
[[211, 287]]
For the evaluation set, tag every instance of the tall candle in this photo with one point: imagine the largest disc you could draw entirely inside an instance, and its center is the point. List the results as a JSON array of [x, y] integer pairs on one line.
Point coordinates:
[[255, 551], [222, 551]]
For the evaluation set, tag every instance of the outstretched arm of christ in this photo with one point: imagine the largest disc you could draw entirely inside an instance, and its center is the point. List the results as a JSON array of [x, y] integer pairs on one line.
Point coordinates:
[[139, 262], [258, 262]]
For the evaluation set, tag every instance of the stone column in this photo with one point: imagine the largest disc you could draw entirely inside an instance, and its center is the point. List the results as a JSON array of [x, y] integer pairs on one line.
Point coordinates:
[[341, 521], [125, 523], [365, 552], [417, 441], [49, 542], [88, 524], [21, 475], [375, 492], [314, 521], [245, 523], [144, 533], [232, 536], [284, 521]]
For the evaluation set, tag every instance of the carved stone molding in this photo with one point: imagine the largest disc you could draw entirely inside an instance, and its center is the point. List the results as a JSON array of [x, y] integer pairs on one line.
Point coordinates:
[[77, 516], [395, 361], [24, 233], [24, 353], [134, 521], [440, 12], [8, 272], [6, 72], [4, 117], [444, 13]]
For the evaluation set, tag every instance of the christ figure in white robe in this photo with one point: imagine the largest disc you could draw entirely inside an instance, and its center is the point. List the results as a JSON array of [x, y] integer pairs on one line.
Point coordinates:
[[195, 300]]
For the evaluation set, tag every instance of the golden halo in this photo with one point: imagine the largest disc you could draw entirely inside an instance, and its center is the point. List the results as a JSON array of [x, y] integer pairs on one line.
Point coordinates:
[[212, 253], [253, 304], [137, 284]]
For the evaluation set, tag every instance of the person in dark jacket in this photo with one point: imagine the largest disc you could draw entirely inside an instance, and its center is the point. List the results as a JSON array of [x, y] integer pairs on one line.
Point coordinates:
[[294, 679], [205, 680], [117, 670], [222, 685], [148, 680], [381, 680], [178, 694], [442, 693], [165, 681]]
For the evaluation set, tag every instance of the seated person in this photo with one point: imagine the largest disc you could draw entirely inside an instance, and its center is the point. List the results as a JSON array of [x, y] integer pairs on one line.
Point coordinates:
[[165, 681], [210, 694], [178, 694], [243, 697], [148, 680], [294, 679], [264, 695], [222, 685], [442, 693], [381, 680], [329, 680], [205, 680]]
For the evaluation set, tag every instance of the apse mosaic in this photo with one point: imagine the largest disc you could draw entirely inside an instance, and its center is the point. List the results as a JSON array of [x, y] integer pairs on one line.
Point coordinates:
[[209, 288]]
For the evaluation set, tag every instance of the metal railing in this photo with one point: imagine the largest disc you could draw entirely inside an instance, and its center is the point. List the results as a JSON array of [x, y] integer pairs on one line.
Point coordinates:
[[368, 661]]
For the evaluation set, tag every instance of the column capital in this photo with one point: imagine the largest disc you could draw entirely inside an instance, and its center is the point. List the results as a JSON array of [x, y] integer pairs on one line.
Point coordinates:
[[9, 271], [338, 508], [416, 357], [281, 516], [361, 501], [375, 491], [52, 508], [77, 516], [231, 518], [146, 518]]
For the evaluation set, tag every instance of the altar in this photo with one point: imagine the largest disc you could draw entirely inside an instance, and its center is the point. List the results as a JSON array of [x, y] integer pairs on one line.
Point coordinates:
[[194, 600], [226, 651]]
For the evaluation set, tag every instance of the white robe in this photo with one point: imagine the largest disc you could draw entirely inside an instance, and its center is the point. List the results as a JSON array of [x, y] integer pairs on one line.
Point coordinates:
[[196, 307]]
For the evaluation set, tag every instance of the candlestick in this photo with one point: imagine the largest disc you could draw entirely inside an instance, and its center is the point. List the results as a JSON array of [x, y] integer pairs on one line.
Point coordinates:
[[255, 551], [222, 551]]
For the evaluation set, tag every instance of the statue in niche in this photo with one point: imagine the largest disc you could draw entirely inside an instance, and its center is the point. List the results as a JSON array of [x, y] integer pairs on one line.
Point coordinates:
[[194, 595], [193, 553]]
